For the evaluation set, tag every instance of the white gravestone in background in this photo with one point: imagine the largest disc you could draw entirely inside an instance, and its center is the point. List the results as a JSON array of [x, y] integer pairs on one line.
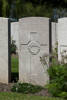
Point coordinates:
[[54, 34], [4, 50], [62, 37], [14, 33], [34, 43]]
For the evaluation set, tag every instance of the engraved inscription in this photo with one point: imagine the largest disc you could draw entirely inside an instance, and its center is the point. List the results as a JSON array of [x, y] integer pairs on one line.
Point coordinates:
[[34, 47]]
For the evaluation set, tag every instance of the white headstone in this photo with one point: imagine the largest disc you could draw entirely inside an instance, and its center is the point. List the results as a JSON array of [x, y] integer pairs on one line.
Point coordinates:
[[54, 34], [34, 43], [14, 33], [62, 37], [4, 50]]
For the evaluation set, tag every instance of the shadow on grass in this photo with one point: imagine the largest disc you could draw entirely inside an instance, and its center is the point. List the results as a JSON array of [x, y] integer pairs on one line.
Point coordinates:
[[14, 77]]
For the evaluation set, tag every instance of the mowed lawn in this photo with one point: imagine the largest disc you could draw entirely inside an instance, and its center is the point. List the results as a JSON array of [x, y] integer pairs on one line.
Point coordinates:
[[14, 68], [14, 64], [19, 96]]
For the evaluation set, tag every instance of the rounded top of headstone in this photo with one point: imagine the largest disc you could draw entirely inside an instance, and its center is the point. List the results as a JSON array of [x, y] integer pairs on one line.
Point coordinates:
[[31, 28], [62, 19], [33, 18], [16, 23], [3, 18], [54, 23]]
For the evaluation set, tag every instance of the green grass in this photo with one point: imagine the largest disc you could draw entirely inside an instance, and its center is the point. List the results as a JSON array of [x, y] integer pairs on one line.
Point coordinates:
[[14, 68], [14, 64], [17, 96]]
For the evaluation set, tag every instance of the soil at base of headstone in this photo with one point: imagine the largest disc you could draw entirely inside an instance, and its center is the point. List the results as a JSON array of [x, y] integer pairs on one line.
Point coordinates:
[[7, 88]]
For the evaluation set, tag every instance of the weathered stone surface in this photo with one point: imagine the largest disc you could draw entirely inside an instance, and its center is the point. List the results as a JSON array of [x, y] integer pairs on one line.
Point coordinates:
[[54, 34], [34, 43], [15, 32], [4, 51], [62, 37]]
